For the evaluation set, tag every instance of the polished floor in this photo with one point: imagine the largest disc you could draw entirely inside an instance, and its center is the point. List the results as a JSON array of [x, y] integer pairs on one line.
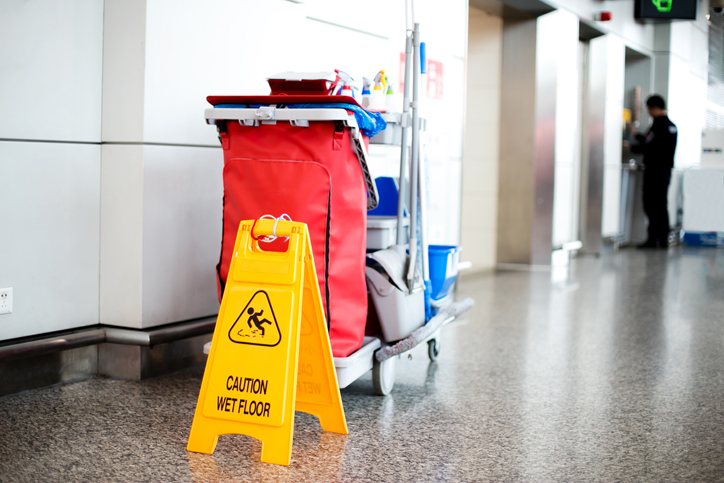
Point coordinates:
[[609, 370]]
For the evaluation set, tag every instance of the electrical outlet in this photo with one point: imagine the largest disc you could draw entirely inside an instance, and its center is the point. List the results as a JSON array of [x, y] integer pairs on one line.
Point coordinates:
[[6, 300]]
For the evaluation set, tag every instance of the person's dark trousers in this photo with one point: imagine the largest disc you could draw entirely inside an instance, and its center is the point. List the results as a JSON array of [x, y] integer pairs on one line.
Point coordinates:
[[656, 189]]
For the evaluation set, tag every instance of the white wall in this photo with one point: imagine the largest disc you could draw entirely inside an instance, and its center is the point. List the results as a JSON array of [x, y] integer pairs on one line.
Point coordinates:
[[138, 210], [49, 194], [318, 35], [161, 183], [193, 49], [50, 70], [51, 80], [160, 235], [445, 31], [681, 77]]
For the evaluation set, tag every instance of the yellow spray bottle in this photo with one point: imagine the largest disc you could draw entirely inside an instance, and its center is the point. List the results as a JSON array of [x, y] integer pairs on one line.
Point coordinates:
[[378, 97]]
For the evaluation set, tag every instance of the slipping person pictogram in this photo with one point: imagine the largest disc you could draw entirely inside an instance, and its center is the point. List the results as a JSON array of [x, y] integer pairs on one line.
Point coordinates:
[[254, 318], [256, 324]]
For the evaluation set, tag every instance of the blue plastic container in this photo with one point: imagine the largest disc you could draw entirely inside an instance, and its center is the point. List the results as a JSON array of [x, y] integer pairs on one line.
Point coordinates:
[[704, 239], [389, 193], [701, 239], [444, 261]]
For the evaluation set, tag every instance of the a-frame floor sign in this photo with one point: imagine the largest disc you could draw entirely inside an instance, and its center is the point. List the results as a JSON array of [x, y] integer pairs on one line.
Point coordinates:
[[270, 353]]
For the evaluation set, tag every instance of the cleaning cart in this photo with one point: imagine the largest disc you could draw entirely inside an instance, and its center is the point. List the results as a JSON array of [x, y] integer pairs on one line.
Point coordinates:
[[409, 281], [301, 154]]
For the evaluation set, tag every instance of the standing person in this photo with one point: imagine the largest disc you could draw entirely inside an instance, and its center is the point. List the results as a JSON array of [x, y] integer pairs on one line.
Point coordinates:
[[658, 147]]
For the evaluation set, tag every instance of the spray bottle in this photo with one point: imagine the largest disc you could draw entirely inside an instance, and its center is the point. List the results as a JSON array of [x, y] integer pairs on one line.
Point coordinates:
[[342, 85], [377, 99], [390, 98], [366, 92], [346, 81]]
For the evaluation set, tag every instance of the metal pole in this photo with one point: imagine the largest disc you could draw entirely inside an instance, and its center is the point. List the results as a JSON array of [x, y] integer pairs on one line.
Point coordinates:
[[423, 215], [405, 120], [414, 155]]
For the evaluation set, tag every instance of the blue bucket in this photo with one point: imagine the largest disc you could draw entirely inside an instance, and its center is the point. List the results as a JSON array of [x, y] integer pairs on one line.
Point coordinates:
[[444, 261]]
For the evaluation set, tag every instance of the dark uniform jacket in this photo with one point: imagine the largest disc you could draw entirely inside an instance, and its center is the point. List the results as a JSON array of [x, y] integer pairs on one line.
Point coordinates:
[[658, 145]]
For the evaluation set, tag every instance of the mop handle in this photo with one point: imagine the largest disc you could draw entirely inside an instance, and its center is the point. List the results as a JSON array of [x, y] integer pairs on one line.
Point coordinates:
[[414, 155], [402, 191]]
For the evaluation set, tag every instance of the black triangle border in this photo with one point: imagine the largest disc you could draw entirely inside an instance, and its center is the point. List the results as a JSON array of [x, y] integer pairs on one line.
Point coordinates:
[[244, 311]]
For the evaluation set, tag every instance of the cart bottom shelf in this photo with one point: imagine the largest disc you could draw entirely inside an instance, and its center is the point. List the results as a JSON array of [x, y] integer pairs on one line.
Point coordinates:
[[349, 368]]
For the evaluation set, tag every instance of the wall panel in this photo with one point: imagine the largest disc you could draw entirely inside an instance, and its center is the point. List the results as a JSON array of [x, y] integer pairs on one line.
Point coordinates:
[[51, 70], [49, 242]]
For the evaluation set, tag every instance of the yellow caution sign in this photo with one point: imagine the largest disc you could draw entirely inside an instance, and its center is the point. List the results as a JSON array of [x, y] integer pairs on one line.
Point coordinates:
[[270, 353]]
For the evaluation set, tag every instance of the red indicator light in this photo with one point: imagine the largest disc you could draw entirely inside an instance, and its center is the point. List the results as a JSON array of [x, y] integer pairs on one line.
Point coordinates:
[[602, 16]]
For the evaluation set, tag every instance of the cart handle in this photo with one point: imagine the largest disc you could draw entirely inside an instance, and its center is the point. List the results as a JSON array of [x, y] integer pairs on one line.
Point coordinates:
[[272, 114]]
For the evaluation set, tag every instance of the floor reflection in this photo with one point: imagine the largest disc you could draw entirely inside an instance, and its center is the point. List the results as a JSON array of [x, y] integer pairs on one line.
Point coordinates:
[[314, 458], [611, 371]]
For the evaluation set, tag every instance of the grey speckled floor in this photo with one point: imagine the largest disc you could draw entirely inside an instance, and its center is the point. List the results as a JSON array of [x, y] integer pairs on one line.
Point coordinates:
[[611, 370]]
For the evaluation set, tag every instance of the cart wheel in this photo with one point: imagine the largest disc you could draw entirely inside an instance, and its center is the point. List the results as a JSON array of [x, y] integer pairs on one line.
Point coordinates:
[[433, 349], [383, 375]]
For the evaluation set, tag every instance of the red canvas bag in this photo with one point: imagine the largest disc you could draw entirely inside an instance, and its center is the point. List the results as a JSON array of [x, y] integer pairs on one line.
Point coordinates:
[[312, 174]]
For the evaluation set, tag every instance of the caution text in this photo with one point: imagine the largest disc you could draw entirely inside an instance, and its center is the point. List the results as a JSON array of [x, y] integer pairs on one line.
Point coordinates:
[[247, 384]]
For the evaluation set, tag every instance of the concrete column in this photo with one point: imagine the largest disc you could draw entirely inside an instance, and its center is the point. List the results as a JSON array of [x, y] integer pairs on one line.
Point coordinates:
[[482, 139], [161, 190]]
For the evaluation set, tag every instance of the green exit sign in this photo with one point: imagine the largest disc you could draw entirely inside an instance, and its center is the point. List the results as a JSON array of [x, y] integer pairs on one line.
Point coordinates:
[[662, 5], [666, 9]]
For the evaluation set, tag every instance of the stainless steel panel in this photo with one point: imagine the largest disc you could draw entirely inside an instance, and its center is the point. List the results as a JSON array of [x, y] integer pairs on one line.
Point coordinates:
[[140, 362], [120, 360], [51, 345], [166, 358], [628, 184], [528, 136], [160, 335], [48, 369], [594, 103], [546, 75], [136, 355]]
